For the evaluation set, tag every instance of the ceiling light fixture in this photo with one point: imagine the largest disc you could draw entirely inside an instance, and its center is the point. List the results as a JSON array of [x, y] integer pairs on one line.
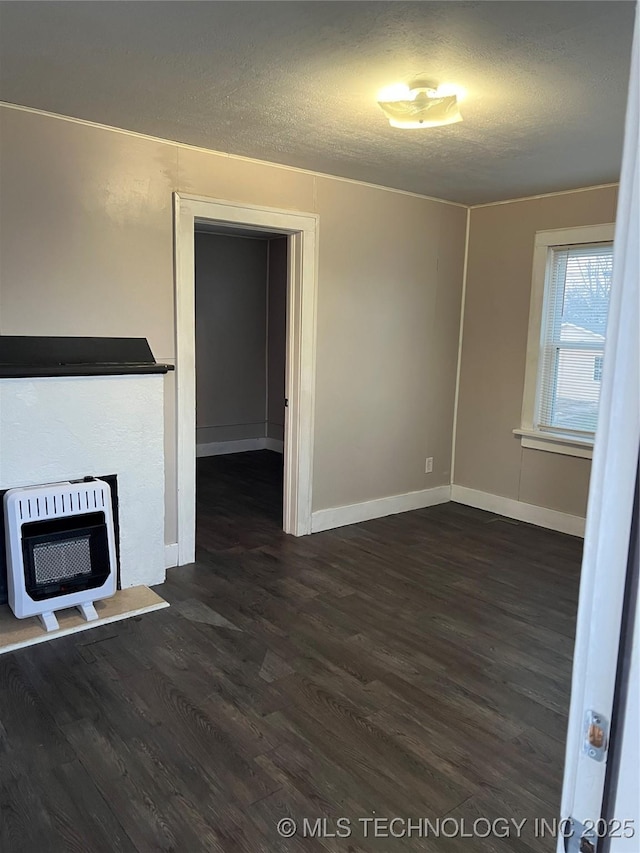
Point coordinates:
[[420, 104]]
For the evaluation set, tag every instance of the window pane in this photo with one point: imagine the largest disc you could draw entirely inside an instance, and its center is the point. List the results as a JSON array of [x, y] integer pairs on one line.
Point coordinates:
[[587, 290], [573, 336], [577, 393]]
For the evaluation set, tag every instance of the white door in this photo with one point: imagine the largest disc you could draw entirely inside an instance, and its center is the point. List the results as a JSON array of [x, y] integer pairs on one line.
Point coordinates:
[[607, 550]]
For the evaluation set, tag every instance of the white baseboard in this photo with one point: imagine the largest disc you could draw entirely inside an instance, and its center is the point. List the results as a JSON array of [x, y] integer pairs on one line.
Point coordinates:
[[171, 555], [220, 448], [327, 519], [539, 515]]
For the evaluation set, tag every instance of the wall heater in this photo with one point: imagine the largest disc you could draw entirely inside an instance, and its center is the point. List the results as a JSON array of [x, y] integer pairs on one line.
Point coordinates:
[[60, 548]]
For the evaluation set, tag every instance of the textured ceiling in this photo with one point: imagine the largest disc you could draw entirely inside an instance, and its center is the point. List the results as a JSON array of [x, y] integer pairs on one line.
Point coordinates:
[[296, 83]]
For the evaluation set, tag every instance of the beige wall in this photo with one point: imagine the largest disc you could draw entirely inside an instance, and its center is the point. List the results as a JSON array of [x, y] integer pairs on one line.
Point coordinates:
[[488, 456], [387, 341], [231, 337], [97, 204], [276, 337]]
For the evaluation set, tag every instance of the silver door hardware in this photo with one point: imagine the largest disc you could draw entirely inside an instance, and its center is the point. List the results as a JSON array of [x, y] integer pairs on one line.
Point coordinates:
[[596, 735]]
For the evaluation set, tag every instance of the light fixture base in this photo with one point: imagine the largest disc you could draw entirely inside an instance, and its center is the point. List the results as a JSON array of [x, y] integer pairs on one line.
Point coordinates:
[[422, 84], [419, 104]]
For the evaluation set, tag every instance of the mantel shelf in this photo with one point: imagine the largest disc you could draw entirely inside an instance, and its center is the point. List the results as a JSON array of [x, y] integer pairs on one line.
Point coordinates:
[[18, 371], [24, 357]]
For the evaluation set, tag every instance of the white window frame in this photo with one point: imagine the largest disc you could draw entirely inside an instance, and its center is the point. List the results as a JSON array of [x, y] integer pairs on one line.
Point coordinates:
[[530, 436]]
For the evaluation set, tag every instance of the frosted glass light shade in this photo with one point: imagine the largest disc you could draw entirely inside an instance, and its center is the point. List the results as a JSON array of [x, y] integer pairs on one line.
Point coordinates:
[[422, 111]]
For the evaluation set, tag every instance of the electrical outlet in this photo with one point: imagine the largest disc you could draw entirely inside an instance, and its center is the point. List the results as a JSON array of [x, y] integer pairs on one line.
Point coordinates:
[[428, 468]]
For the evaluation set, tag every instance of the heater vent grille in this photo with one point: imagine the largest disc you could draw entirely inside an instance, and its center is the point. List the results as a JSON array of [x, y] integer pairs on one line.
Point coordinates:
[[56, 561], [57, 502]]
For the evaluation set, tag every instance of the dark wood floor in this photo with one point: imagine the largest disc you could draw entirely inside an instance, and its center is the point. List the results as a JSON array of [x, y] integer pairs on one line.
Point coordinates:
[[416, 666]]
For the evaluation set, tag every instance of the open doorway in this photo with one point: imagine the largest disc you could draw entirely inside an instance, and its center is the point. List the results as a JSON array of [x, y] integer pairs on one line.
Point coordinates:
[[241, 325], [300, 233]]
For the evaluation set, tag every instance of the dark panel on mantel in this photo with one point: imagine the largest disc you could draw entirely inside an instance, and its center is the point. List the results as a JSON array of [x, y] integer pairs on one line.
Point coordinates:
[[25, 355], [414, 666]]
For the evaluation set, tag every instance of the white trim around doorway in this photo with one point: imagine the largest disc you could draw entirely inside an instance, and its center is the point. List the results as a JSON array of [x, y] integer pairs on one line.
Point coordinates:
[[302, 230]]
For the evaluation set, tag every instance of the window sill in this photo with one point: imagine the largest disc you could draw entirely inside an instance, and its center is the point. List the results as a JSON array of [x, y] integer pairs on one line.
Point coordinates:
[[555, 443]]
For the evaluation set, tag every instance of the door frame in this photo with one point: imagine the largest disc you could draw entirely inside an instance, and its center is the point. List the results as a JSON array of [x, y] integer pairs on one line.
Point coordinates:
[[608, 545], [302, 231]]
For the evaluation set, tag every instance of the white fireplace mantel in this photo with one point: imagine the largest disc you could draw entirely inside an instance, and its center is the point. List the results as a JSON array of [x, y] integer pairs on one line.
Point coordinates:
[[68, 427]]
